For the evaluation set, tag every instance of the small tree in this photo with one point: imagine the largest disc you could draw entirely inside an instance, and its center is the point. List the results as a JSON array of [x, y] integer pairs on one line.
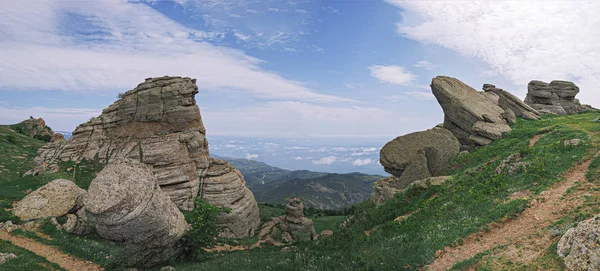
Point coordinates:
[[121, 95], [204, 229]]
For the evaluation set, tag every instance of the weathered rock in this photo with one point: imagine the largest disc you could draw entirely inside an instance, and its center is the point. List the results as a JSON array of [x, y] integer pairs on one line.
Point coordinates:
[[511, 165], [157, 123], [418, 155], [387, 188], [597, 119], [8, 226], [76, 223], [54, 199], [326, 233], [127, 206], [35, 128], [572, 142], [224, 186], [471, 116], [579, 246], [294, 226], [507, 101], [4, 257], [557, 97]]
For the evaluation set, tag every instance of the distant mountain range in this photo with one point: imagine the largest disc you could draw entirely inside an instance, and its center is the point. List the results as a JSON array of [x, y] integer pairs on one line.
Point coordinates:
[[317, 189]]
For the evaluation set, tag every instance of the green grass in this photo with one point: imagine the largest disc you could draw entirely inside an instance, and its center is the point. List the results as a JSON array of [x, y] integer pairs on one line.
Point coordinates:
[[441, 216], [26, 260], [269, 211], [328, 223]]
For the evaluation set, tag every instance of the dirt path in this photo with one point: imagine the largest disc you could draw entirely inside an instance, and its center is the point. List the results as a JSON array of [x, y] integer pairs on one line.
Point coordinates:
[[50, 253], [528, 228], [534, 139]]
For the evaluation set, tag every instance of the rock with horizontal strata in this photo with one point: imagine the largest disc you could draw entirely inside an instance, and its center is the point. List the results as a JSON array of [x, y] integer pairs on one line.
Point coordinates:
[[224, 186], [558, 97], [158, 123], [473, 118], [127, 206]]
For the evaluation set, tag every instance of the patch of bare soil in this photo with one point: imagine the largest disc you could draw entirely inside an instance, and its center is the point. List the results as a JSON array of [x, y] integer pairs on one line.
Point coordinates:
[[534, 139], [223, 248], [52, 254], [525, 237]]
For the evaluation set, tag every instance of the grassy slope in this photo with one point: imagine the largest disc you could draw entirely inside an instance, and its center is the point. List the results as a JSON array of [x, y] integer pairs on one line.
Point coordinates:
[[442, 215]]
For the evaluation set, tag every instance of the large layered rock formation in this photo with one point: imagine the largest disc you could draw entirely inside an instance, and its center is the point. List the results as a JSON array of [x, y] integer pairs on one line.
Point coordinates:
[[418, 155], [224, 186], [507, 101], [558, 97], [127, 206], [473, 118], [579, 246], [159, 124], [54, 199]]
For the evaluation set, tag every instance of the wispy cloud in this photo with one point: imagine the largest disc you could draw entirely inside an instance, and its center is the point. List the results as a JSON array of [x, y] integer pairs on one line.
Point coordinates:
[[325, 160], [547, 44], [392, 74], [75, 46], [362, 162], [250, 156], [426, 65]]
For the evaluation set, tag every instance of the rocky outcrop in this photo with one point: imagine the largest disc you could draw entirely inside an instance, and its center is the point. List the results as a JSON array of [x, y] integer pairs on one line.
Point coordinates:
[[293, 226], [158, 123], [579, 246], [418, 156], [558, 97], [473, 118], [386, 189], [127, 206], [224, 186], [507, 101], [35, 128], [54, 199]]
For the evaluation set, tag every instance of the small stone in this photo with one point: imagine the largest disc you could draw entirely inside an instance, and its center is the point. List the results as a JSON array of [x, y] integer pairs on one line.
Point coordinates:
[[572, 142], [6, 256], [167, 268]]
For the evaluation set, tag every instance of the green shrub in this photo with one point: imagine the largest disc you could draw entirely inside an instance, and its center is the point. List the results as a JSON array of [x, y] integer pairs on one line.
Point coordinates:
[[45, 138], [204, 229], [11, 139]]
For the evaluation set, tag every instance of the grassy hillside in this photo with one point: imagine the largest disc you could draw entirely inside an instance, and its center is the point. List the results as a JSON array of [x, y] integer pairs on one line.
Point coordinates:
[[443, 216], [317, 189]]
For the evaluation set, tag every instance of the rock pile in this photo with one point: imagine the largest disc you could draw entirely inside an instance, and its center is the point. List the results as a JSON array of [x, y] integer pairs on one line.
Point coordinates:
[[578, 247], [507, 101], [224, 186], [159, 124], [54, 199], [127, 206], [4, 257], [558, 97], [293, 226], [472, 117]]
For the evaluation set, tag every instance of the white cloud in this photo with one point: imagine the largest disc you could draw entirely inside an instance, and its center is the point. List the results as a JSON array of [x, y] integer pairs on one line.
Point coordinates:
[[241, 36], [417, 95], [558, 41], [392, 74], [372, 149], [315, 48], [273, 10], [250, 156], [301, 11], [350, 86], [362, 162], [426, 65], [325, 160], [114, 45]]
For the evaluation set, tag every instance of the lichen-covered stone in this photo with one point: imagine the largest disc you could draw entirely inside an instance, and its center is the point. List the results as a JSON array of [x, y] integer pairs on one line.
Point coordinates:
[[579, 246], [54, 199]]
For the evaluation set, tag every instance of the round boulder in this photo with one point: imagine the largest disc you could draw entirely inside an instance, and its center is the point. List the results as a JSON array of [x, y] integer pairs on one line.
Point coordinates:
[[54, 199]]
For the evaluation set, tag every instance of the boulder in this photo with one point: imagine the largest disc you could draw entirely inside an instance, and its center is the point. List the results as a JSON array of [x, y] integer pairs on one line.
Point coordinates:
[[4, 257], [54, 199], [472, 117], [557, 97], [507, 101], [76, 223], [418, 155], [511, 165], [157, 123], [224, 186], [293, 226], [579, 246], [127, 206]]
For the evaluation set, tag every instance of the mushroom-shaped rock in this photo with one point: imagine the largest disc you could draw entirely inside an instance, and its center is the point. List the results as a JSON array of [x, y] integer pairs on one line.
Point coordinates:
[[224, 186], [54, 199], [472, 117], [418, 155], [298, 225], [126, 205]]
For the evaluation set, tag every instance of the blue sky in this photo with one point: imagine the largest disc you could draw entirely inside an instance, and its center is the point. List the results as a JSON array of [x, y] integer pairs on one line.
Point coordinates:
[[289, 69]]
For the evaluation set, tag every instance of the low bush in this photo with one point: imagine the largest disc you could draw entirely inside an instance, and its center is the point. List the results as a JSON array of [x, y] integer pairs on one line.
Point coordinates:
[[204, 229]]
